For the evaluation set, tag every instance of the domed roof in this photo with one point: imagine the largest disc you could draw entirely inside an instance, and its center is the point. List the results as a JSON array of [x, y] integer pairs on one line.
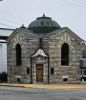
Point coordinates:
[[43, 25]]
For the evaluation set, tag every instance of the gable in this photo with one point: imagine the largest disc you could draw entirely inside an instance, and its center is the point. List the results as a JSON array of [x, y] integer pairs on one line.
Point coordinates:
[[66, 31], [17, 37], [65, 36], [14, 34]]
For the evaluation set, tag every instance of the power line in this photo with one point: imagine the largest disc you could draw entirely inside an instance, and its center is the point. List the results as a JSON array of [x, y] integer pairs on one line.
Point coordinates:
[[6, 25], [77, 3], [16, 17], [13, 16], [6, 20], [81, 2], [9, 20], [74, 3]]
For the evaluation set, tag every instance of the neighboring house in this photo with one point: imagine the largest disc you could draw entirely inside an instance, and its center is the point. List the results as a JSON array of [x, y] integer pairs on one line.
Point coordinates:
[[44, 53], [4, 32]]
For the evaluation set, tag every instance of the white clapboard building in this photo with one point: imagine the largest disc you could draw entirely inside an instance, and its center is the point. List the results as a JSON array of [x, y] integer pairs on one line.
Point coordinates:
[[3, 48]]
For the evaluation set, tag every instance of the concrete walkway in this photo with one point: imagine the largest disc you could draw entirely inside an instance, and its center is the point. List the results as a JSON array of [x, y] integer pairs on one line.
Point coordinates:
[[48, 86]]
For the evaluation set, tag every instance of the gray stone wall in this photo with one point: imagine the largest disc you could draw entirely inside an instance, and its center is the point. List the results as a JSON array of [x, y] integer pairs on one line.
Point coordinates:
[[72, 72], [28, 48]]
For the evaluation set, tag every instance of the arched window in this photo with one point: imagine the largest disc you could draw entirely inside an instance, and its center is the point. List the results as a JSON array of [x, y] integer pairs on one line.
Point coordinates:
[[18, 54], [65, 54]]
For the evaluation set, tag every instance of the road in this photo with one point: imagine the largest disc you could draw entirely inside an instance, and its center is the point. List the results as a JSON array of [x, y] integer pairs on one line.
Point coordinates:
[[15, 93]]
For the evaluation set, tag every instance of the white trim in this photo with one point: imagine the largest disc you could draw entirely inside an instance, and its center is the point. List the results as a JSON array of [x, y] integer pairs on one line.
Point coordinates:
[[39, 52]]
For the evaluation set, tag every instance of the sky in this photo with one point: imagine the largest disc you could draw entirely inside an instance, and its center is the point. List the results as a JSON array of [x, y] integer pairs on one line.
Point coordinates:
[[68, 13]]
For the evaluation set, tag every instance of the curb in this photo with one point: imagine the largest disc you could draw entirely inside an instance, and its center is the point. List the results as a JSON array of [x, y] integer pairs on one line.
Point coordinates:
[[12, 86], [51, 87]]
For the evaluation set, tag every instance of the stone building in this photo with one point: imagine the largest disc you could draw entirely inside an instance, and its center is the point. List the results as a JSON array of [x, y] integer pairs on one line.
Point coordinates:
[[44, 53]]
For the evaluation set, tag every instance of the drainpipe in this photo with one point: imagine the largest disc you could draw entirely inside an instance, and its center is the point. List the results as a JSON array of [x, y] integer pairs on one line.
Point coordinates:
[[48, 69], [31, 78], [41, 47]]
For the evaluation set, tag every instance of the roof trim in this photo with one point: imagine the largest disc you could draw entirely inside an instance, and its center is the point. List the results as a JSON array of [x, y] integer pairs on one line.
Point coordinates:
[[6, 29], [67, 30]]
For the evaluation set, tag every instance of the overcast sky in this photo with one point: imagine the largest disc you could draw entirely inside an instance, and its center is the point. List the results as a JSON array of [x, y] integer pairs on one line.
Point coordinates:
[[69, 13]]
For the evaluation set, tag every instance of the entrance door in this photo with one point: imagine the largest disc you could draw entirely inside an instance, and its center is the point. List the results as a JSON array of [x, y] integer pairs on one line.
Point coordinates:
[[39, 72]]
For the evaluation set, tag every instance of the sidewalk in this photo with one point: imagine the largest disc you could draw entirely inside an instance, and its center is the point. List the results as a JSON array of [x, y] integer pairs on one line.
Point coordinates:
[[48, 86]]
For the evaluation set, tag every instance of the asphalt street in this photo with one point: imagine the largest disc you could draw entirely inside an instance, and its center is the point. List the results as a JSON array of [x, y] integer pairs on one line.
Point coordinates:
[[15, 93]]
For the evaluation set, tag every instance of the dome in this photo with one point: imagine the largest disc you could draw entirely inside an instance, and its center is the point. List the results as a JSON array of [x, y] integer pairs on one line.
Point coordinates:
[[43, 25]]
